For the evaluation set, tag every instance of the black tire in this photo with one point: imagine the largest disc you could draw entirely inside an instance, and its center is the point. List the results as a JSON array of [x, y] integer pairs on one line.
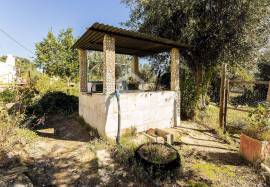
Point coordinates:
[[171, 165]]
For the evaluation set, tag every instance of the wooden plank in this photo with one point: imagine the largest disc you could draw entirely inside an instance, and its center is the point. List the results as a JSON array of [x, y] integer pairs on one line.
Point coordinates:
[[226, 103], [250, 82], [239, 109], [222, 95]]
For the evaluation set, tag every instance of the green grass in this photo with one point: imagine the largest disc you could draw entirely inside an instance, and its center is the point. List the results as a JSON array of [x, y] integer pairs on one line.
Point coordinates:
[[26, 134], [212, 171], [234, 117]]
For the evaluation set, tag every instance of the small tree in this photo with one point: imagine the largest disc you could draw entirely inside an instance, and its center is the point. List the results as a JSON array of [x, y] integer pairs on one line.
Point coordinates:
[[220, 31], [56, 57]]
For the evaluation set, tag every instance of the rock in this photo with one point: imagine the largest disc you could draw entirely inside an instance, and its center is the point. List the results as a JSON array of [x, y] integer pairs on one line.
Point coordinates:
[[14, 107], [9, 105]]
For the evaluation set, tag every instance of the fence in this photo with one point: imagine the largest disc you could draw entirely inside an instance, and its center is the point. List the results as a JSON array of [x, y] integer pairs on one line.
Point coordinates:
[[240, 96]]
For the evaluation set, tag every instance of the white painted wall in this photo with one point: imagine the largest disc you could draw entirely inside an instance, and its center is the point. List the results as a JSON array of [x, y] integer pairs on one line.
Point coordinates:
[[142, 110], [8, 70]]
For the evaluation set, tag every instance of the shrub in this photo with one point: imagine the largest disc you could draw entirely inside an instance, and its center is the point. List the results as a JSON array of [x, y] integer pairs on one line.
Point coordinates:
[[51, 103], [188, 101], [28, 95], [8, 95], [45, 84], [251, 96], [7, 129], [259, 123], [11, 134]]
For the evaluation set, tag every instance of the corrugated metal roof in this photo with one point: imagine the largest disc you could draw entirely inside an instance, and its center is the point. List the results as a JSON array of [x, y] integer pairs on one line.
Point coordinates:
[[126, 41]]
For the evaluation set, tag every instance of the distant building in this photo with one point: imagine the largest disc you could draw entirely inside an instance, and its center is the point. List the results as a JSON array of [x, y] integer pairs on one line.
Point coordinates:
[[8, 70]]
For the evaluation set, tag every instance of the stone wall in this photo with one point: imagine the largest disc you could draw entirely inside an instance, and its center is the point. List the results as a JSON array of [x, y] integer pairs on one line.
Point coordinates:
[[142, 110]]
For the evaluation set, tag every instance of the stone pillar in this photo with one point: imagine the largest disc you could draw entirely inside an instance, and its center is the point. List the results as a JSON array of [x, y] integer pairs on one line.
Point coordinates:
[[175, 82], [109, 65], [83, 70], [268, 93], [135, 65]]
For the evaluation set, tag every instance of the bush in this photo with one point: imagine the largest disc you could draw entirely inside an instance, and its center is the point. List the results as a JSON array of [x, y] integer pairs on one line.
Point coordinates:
[[45, 84], [7, 129], [259, 123], [51, 103], [188, 101], [8, 96], [251, 97], [54, 102], [11, 134]]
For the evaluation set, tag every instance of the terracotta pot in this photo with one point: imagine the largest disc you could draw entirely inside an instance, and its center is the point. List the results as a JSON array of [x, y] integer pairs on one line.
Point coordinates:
[[253, 149]]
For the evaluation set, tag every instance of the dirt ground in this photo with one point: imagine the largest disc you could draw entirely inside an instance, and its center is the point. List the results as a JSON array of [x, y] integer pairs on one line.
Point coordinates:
[[210, 160], [64, 154]]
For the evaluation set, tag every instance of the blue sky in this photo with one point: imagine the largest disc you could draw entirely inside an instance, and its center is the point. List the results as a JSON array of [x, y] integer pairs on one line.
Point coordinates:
[[28, 21]]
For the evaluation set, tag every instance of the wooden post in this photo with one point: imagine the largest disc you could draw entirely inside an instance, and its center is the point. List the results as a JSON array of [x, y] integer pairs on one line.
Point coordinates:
[[222, 95], [135, 65], [29, 79], [226, 105], [268, 93], [175, 83]]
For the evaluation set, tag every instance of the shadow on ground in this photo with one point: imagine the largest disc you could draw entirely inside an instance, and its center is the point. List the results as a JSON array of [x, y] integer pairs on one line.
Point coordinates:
[[65, 170], [64, 128]]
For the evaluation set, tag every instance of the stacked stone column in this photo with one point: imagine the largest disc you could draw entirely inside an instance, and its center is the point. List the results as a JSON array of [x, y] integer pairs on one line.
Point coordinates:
[[83, 70], [109, 65], [175, 82], [135, 65]]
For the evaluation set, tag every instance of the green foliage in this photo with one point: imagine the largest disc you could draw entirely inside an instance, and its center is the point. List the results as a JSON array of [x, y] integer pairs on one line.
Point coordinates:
[[28, 95], [188, 103], [146, 73], [56, 57], [219, 31], [24, 66], [213, 171], [259, 123], [10, 133], [3, 58], [251, 97], [8, 95], [44, 84], [95, 70], [264, 67], [50, 103]]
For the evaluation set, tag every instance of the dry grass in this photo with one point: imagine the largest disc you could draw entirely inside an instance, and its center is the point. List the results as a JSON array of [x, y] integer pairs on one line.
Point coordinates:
[[11, 134], [157, 153]]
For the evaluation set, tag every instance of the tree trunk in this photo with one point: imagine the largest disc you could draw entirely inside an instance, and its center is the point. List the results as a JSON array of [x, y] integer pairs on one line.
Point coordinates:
[[68, 84]]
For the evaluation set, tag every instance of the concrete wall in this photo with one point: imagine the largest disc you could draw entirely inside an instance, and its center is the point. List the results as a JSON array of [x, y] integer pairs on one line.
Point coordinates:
[[92, 109], [142, 110]]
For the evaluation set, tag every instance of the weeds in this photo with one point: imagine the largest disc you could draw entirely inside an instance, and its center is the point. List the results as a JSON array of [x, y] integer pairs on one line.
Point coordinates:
[[259, 123], [213, 171]]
